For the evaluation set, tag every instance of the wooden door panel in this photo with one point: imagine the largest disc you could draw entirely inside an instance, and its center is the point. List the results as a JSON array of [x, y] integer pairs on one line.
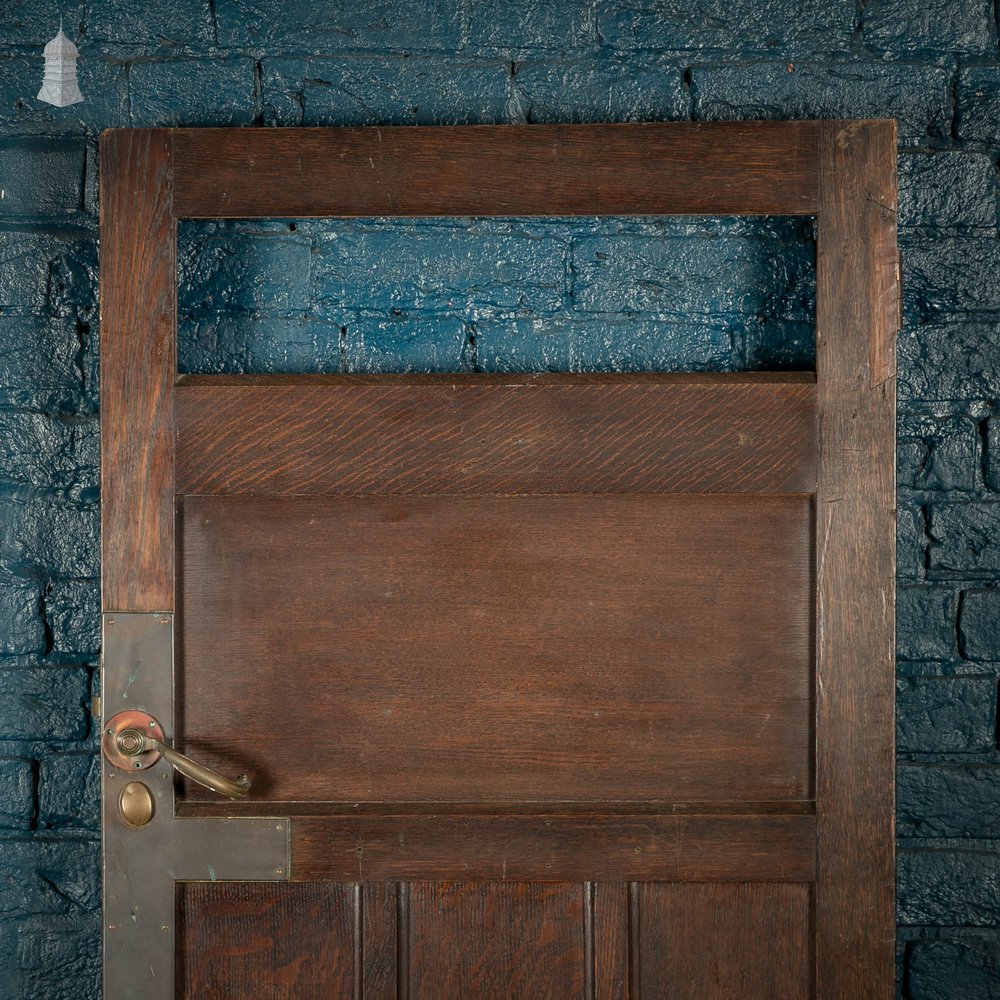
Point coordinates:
[[266, 941], [716, 941], [641, 433], [504, 649]]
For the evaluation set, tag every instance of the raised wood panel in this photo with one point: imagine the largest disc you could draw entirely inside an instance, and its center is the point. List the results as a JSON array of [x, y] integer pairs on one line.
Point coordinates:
[[267, 941], [479, 941], [724, 940], [652, 434], [138, 366], [604, 847], [718, 168], [500, 649]]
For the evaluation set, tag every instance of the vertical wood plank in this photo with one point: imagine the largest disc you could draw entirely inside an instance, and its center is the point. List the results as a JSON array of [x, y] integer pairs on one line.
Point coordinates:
[[610, 916], [138, 365], [856, 315], [378, 940], [721, 940]]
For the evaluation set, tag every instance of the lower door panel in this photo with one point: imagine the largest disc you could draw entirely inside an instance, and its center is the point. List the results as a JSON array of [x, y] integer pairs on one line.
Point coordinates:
[[516, 940]]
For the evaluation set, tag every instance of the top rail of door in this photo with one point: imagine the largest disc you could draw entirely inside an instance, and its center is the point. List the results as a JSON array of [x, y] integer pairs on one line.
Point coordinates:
[[675, 168]]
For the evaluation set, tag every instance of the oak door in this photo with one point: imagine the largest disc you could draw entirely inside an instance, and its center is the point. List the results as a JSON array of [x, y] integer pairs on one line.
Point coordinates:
[[545, 686]]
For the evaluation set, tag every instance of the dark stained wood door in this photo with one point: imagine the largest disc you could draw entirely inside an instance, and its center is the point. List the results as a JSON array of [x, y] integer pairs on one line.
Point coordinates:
[[565, 686]]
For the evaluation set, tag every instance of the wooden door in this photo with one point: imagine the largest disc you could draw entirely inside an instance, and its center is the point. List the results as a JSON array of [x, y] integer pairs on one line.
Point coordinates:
[[548, 686]]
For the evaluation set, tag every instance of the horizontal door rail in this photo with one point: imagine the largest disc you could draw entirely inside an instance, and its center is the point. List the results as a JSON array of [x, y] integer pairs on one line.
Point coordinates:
[[318, 436], [672, 168]]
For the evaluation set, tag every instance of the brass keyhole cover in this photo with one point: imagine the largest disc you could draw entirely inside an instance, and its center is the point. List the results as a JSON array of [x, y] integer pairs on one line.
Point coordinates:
[[128, 725], [136, 804]]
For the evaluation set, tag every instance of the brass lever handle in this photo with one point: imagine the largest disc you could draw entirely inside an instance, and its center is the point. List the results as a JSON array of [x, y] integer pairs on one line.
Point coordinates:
[[132, 742]]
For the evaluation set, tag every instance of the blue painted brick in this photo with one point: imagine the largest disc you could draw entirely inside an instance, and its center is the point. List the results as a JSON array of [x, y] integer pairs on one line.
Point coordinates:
[[949, 359], [943, 276], [938, 451], [103, 83], [926, 623], [646, 88], [979, 624], [58, 957], [682, 278], [179, 22], [953, 970], [46, 272], [236, 272], [42, 876], [725, 25], [911, 543], [378, 89], [615, 343], [766, 343], [296, 344], [17, 793], [50, 535], [946, 714], [41, 176], [908, 26], [68, 791], [524, 25], [73, 611], [947, 192], [192, 92], [917, 96], [22, 631], [34, 22], [38, 363], [48, 452], [950, 888], [978, 104], [362, 25], [947, 800], [44, 702], [965, 540], [384, 344], [439, 270]]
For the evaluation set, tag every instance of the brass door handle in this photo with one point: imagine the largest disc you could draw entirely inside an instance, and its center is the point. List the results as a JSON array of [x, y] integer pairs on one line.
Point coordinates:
[[131, 740]]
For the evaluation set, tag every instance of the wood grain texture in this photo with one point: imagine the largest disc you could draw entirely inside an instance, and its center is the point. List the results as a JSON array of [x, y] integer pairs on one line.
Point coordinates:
[[717, 168], [138, 365], [557, 847], [725, 940], [645, 433], [610, 933], [501, 649], [855, 562], [480, 941], [266, 941]]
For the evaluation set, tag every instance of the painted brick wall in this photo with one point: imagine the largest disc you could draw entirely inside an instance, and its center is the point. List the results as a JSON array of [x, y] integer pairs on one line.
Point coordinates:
[[726, 294]]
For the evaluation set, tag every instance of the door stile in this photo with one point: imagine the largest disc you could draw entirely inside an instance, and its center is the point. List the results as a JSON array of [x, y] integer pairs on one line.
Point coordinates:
[[143, 859], [857, 317]]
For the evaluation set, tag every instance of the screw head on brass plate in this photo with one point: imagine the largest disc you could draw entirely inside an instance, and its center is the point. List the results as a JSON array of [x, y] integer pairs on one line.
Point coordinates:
[[136, 804], [121, 723]]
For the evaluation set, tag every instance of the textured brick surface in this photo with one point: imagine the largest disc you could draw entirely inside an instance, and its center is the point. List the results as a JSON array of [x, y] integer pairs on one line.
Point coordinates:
[[946, 714], [367, 295], [917, 96]]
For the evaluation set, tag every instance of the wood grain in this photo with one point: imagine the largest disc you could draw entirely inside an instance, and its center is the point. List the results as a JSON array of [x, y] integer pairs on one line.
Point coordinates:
[[501, 649], [480, 941], [659, 433], [138, 365], [720, 941], [855, 564], [266, 941], [608, 848], [686, 168]]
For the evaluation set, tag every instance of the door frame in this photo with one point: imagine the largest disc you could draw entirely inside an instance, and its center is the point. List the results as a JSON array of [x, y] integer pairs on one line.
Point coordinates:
[[841, 172]]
